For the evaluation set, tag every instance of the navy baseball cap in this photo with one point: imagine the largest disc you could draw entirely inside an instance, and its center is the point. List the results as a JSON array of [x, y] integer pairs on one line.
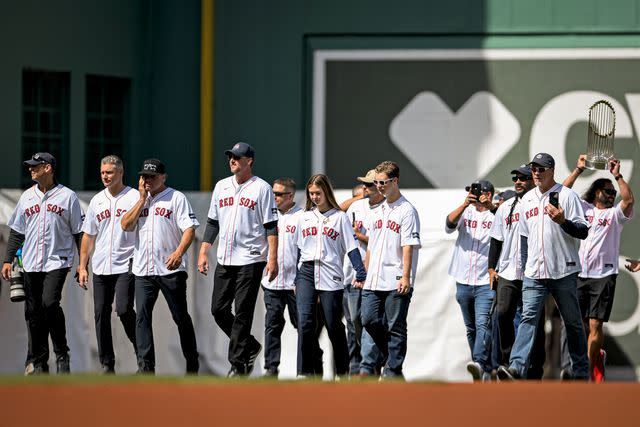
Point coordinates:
[[522, 170], [241, 149], [506, 195], [152, 167], [485, 186], [543, 159], [40, 159]]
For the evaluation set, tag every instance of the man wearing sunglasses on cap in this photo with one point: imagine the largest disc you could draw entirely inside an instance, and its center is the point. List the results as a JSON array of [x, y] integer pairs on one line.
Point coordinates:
[[599, 257], [506, 272], [552, 223]]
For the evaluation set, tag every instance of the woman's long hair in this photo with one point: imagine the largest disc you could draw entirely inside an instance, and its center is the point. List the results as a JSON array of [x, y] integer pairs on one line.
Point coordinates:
[[589, 196], [323, 182]]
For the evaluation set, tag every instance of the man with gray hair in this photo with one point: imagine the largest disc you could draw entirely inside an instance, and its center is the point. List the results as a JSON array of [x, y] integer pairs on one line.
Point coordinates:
[[112, 258]]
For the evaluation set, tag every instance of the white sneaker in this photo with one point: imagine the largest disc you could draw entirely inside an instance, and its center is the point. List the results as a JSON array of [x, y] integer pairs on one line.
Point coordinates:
[[475, 370]]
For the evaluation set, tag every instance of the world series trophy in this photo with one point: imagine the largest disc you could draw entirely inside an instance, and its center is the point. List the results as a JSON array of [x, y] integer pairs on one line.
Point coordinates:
[[600, 135]]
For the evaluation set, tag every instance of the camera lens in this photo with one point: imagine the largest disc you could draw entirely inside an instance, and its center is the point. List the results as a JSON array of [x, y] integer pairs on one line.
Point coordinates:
[[16, 290]]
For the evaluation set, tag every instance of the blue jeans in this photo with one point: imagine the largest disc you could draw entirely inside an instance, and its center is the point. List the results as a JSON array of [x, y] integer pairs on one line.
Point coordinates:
[[368, 358], [534, 292], [331, 307], [390, 335], [275, 302], [475, 304]]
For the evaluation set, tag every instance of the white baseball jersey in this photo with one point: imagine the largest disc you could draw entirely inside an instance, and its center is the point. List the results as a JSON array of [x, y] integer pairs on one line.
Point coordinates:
[[470, 259], [599, 252], [48, 221], [161, 224], [505, 229], [359, 209], [552, 253], [242, 210], [113, 246], [391, 226], [287, 251], [325, 239]]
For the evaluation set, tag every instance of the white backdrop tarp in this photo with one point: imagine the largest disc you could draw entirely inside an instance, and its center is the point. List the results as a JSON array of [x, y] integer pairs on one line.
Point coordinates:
[[437, 347]]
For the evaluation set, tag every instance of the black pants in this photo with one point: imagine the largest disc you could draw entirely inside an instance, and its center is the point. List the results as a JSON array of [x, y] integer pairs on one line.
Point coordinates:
[[44, 316], [239, 284], [509, 295], [275, 301], [174, 289], [105, 289]]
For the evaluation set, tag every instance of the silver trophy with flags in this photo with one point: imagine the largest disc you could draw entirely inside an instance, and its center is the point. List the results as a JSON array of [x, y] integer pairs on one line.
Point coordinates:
[[600, 135]]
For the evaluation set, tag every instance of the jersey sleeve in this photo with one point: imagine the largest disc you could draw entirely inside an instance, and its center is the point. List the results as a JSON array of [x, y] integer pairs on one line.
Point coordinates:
[[90, 225], [410, 228], [350, 240], [497, 228], [17, 222], [76, 216], [185, 218], [213, 207], [450, 230], [268, 203], [619, 214], [573, 210]]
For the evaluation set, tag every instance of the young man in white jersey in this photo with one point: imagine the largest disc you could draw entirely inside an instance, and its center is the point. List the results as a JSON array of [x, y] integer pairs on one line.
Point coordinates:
[[599, 254], [280, 292], [164, 226], [243, 211], [112, 258], [469, 262], [506, 272], [552, 223], [364, 357], [391, 261], [47, 219]]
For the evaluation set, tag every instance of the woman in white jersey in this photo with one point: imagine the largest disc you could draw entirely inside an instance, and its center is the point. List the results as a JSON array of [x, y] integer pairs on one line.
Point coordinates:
[[324, 237]]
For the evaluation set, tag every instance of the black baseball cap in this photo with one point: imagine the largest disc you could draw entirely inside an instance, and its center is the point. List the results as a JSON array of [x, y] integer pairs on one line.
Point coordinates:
[[506, 195], [152, 167], [241, 149], [522, 170], [40, 159], [485, 186], [543, 159]]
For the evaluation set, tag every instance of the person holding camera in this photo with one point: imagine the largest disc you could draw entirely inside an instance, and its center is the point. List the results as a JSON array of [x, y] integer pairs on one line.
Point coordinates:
[[473, 220], [506, 272], [46, 221], [599, 254], [552, 223]]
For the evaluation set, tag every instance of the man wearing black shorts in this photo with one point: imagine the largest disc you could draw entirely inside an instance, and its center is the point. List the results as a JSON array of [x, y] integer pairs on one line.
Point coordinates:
[[599, 254]]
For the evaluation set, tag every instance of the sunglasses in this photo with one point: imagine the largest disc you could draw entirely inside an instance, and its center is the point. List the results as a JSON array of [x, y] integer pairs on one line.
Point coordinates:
[[383, 182], [539, 169], [281, 193], [368, 184], [521, 178], [609, 192]]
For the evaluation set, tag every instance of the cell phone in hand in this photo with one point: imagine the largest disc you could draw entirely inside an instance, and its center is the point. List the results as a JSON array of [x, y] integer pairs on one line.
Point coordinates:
[[475, 190], [553, 199]]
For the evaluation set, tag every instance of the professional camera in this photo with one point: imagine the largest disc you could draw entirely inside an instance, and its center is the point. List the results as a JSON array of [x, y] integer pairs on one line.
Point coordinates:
[[16, 290]]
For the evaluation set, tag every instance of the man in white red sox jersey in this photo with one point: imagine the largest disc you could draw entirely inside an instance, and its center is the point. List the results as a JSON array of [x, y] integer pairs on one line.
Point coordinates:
[[506, 272], [243, 211], [599, 254], [473, 219], [391, 261], [552, 223], [47, 219], [164, 225], [280, 293], [112, 258]]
